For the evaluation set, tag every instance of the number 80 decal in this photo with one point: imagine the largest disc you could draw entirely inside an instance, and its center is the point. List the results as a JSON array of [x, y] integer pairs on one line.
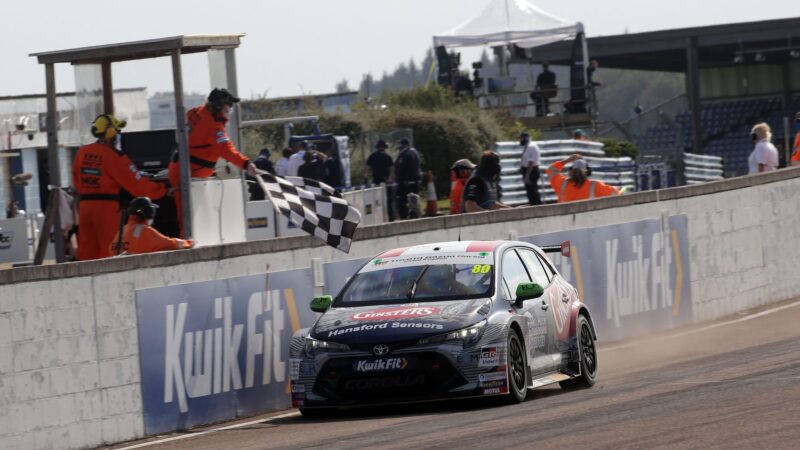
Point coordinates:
[[481, 268]]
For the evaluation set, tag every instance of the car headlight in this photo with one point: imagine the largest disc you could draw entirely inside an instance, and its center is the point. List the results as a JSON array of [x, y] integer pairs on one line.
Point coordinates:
[[315, 345], [468, 336]]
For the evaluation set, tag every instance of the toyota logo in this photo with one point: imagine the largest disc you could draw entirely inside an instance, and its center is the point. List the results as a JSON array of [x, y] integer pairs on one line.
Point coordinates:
[[380, 349]]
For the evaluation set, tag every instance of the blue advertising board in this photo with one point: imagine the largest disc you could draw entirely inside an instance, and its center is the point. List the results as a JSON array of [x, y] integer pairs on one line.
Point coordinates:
[[215, 350], [633, 276]]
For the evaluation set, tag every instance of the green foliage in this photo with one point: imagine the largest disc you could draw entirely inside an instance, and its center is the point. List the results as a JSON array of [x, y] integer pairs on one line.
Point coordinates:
[[616, 148]]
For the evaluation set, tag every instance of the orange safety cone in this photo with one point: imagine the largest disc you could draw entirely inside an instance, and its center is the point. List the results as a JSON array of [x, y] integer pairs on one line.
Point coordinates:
[[432, 207]]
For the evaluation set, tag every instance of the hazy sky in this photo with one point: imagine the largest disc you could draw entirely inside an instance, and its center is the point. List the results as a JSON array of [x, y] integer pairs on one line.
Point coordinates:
[[297, 46]]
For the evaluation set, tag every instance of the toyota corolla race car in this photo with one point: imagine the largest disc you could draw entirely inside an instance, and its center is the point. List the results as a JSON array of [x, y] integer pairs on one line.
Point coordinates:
[[446, 320]]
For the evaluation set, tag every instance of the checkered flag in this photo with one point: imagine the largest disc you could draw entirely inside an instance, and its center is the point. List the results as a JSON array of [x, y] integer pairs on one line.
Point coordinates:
[[313, 206]]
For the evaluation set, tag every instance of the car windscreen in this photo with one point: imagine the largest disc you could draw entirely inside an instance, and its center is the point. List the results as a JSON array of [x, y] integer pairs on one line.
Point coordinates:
[[429, 282]]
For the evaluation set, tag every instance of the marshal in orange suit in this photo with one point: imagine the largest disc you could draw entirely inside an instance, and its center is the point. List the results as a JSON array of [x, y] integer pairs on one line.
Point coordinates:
[[138, 236], [99, 172]]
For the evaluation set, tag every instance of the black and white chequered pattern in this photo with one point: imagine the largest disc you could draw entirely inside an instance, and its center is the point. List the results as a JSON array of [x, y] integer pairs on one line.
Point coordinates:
[[313, 206]]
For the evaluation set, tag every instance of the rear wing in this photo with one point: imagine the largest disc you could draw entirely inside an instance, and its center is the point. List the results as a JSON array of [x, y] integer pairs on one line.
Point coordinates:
[[563, 248]]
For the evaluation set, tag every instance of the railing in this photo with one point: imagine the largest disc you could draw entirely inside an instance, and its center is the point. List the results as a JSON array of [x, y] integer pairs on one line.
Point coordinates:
[[619, 172]]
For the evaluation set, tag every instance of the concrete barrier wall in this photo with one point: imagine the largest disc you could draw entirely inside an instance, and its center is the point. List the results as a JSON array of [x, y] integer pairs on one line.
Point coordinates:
[[69, 356]]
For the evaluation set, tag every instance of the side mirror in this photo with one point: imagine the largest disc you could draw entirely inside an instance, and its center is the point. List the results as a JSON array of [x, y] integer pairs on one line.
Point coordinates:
[[527, 291], [321, 304]]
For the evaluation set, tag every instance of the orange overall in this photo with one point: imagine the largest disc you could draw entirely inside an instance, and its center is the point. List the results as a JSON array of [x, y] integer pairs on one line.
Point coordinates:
[[139, 237], [99, 172], [567, 191], [208, 141], [796, 154]]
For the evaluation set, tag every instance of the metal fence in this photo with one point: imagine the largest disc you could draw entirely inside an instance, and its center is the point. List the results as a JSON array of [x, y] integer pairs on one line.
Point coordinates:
[[619, 172]]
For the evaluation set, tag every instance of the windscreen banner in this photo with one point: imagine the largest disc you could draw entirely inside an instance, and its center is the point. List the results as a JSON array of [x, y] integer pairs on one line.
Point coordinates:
[[634, 276], [216, 350]]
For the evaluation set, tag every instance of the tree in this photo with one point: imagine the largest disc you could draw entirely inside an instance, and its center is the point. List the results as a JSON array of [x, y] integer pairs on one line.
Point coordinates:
[[343, 86]]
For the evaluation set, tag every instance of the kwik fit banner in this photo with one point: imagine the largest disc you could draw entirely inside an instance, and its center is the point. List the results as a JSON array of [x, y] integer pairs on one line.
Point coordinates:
[[633, 276], [215, 350]]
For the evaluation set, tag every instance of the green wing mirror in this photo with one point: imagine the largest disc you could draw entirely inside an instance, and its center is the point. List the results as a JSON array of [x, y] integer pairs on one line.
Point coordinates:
[[527, 291], [321, 304]]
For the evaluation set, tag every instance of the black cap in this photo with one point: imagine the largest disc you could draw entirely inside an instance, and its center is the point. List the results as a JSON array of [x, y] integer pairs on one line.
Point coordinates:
[[403, 142], [219, 97], [142, 207], [381, 144], [524, 134]]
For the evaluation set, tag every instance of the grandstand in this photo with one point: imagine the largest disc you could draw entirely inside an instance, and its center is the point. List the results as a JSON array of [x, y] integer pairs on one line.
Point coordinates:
[[736, 76]]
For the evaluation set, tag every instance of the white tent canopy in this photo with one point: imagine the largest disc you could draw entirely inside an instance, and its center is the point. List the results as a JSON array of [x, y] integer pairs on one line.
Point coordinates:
[[505, 22]]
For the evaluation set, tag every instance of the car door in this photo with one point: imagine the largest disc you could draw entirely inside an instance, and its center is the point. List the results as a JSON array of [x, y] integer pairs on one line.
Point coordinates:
[[563, 300], [514, 273], [544, 333]]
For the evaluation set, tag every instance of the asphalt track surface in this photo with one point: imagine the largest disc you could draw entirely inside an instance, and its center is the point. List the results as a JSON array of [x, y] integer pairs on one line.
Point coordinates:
[[734, 383]]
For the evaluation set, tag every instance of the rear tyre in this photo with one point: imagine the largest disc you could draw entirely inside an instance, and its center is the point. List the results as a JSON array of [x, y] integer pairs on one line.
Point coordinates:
[[517, 369], [317, 413], [588, 360]]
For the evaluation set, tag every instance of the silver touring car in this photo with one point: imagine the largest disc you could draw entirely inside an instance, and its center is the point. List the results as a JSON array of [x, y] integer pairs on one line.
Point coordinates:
[[445, 320]]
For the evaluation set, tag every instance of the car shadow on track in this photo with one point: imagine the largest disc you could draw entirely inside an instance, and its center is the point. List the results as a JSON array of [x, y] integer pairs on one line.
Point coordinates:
[[420, 408]]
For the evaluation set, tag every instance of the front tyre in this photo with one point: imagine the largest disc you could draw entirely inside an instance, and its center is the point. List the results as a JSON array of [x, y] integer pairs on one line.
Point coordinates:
[[517, 369], [588, 360]]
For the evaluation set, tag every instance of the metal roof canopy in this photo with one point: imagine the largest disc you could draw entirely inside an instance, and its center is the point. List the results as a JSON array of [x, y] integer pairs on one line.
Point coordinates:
[[105, 55], [687, 50], [665, 50]]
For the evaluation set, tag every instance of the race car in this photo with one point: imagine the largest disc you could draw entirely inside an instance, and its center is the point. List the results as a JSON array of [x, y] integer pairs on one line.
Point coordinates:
[[444, 320]]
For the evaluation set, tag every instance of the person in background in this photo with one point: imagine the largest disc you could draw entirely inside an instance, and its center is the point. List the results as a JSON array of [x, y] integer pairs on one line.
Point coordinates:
[[593, 65], [262, 162], [459, 174], [481, 191], [99, 172], [313, 167], [381, 164], [208, 142], [577, 186], [282, 166], [764, 157], [138, 236], [408, 175], [545, 87], [579, 135], [796, 146], [334, 172], [297, 159], [382, 167], [529, 168]]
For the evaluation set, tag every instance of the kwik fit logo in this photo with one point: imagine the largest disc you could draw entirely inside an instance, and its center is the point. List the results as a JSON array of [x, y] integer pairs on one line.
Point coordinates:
[[376, 365]]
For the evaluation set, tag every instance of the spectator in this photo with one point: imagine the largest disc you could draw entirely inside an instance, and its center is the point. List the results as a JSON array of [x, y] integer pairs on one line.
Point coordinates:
[[481, 191], [459, 174], [593, 65], [764, 157], [579, 135], [282, 167], [381, 164], [408, 175], [138, 236], [578, 186], [313, 167], [796, 146], [545, 89], [262, 162], [297, 160], [529, 168], [382, 168], [334, 172]]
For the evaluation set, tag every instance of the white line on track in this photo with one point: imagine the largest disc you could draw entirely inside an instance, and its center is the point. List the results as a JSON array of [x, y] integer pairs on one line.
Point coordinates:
[[213, 430], [709, 327]]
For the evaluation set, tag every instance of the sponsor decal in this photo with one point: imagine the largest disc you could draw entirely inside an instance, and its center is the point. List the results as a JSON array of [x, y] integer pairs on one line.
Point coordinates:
[[430, 326], [379, 262], [385, 382], [356, 329], [492, 384], [492, 376], [294, 369], [298, 388], [492, 391], [5, 239], [403, 312], [133, 168], [222, 137], [257, 222], [377, 365], [489, 357]]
